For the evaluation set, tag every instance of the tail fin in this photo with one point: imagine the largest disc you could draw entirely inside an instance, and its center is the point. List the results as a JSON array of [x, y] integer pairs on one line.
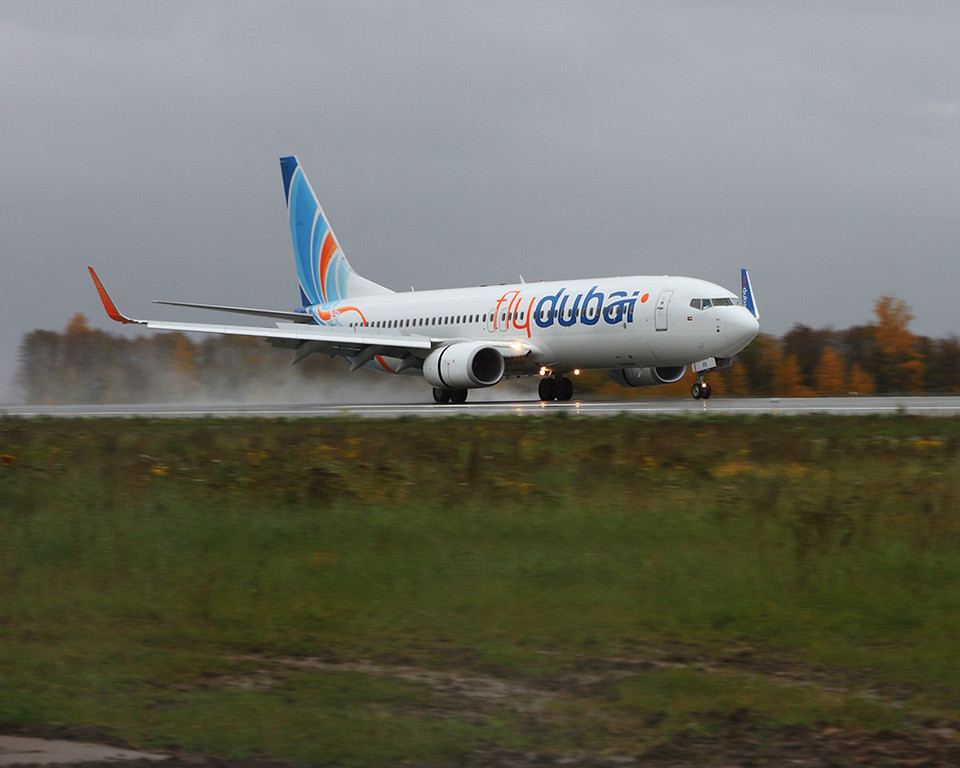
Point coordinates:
[[324, 272], [746, 294]]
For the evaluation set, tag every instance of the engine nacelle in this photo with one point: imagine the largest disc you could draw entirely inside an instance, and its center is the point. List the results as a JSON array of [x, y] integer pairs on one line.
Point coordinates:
[[464, 365], [647, 377]]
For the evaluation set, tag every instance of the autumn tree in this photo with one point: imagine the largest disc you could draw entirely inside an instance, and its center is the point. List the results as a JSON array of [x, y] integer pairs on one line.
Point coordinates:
[[860, 382], [807, 345], [831, 378], [786, 379], [731, 381], [760, 361], [942, 357], [41, 360], [899, 364]]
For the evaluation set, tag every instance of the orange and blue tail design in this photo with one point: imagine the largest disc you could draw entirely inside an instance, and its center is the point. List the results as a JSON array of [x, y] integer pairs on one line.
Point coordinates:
[[322, 268]]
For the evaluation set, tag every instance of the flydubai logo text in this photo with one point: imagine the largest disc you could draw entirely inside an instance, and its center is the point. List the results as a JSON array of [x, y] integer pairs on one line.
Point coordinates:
[[565, 309]]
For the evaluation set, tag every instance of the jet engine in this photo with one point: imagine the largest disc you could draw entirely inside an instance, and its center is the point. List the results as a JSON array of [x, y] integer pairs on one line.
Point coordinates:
[[647, 377], [464, 365]]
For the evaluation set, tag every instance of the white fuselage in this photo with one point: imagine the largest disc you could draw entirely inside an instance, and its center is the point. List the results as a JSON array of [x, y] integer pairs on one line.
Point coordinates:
[[562, 325]]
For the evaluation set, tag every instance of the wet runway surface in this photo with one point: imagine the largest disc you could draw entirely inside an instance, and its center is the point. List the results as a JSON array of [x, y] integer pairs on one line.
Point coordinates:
[[919, 406]]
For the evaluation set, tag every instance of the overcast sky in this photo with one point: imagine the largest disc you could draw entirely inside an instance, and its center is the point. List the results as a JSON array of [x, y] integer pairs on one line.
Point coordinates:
[[817, 143]]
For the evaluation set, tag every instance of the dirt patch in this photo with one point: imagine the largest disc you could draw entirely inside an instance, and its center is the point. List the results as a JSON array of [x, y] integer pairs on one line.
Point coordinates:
[[482, 689], [739, 738], [471, 690]]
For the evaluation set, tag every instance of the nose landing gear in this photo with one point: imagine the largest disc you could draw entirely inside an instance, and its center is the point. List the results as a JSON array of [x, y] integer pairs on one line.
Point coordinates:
[[701, 390]]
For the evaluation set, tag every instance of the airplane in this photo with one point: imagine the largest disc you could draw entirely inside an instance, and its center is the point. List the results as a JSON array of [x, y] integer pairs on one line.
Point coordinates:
[[644, 330]]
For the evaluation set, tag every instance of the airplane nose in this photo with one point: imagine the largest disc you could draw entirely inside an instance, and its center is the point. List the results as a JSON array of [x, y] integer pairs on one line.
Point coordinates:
[[741, 328]]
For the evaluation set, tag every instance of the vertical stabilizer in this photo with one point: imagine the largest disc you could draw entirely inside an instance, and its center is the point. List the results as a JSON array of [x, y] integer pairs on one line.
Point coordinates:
[[746, 294], [324, 272]]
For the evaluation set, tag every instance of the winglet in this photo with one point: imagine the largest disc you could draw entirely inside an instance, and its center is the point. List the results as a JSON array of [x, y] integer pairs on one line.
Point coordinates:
[[112, 312], [746, 294]]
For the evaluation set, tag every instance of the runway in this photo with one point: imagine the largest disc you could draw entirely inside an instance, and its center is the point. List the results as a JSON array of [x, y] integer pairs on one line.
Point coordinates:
[[848, 406]]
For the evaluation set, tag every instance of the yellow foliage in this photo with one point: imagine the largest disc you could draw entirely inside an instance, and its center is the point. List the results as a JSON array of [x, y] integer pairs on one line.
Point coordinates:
[[786, 379], [860, 382], [78, 324], [831, 378]]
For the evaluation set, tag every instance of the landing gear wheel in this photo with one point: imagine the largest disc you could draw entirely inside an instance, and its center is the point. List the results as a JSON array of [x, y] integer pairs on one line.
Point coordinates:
[[705, 391], [548, 389], [564, 389], [441, 396], [458, 396]]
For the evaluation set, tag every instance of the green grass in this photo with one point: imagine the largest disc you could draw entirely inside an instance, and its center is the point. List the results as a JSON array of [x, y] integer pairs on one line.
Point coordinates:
[[148, 566]]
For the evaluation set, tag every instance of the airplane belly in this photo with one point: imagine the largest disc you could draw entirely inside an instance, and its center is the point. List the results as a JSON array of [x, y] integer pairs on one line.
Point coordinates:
[[615, 348]]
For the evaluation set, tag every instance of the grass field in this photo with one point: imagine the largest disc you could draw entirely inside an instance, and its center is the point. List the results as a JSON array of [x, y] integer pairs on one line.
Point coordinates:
[[370, 593]]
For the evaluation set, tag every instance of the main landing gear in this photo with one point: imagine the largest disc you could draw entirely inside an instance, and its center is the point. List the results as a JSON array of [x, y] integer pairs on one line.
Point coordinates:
[[555, 387], [455, 396], [701, 390]]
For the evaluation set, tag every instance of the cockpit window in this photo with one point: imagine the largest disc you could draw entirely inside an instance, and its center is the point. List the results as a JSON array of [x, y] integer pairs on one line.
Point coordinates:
[[707, 303]]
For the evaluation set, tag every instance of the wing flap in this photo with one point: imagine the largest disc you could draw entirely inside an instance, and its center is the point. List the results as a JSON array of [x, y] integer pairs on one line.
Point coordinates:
[[341, 339], [276, 314]]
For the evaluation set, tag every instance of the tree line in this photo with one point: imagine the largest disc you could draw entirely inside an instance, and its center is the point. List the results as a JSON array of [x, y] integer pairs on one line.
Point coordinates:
[[84, 365]]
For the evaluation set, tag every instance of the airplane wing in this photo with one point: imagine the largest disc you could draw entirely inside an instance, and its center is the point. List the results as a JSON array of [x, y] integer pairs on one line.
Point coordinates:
[[361, 344]]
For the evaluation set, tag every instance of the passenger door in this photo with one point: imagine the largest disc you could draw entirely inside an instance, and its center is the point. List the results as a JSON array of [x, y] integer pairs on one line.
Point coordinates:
[[660, 314]]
